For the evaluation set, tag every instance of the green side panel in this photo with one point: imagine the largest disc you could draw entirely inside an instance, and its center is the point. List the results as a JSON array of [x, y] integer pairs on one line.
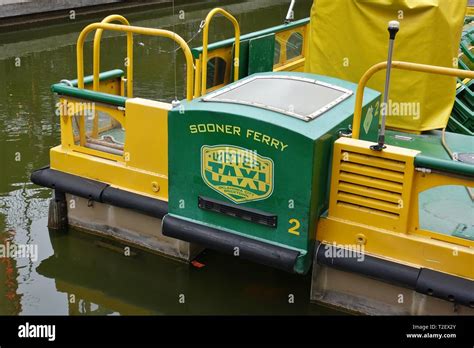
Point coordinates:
[[449, 166], [243, 60], [229, 42], [294, 161], [369, 123], [99, 97], [261, 51]]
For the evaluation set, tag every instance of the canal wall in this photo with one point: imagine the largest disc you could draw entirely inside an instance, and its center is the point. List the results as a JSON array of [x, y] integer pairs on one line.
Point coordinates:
[[13, 8], [21, 44], [23, 14]]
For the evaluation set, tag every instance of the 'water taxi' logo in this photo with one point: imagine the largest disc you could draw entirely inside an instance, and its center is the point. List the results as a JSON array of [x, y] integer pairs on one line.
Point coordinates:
[[239, 174]]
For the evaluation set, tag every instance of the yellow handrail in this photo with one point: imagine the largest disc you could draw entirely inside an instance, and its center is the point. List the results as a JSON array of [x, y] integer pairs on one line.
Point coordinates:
[[430, 69], [205, 38], [96, 61], [135, 30]]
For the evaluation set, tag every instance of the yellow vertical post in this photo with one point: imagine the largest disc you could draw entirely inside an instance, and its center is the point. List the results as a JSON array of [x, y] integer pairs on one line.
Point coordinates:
[[129, 62], [96, 64], [197, 78], [205, 43], [82, 128]]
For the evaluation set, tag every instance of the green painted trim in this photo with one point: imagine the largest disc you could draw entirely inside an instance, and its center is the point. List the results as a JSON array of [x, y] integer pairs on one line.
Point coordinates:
[[73, 91], [429, 143], [100, 97], [103, 76], [229, 42], [449, 166]]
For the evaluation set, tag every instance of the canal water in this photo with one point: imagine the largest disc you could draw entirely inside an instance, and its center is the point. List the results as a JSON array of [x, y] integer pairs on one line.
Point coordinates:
[[73, 273]]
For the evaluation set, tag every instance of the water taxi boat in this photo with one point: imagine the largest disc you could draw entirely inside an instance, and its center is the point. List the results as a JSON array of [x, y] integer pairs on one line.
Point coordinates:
[[278, 153]]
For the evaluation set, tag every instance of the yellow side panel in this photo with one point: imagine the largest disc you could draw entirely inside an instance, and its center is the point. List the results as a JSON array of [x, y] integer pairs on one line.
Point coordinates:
[[146, 142], [371, 187], [409, 249], [348, 37], [144, 166], [114, 173], [113, 86]]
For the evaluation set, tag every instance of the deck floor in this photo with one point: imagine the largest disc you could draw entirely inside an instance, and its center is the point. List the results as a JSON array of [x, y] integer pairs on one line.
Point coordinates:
[[445, 209], [448, 210], [118, 134]]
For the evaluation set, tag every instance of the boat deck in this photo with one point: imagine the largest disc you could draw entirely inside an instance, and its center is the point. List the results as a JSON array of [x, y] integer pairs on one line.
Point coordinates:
[[448, 210], [444, 209]]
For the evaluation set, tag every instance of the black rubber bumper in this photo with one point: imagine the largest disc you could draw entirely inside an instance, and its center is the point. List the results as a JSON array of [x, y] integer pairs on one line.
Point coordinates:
[[425, 281], [225, 242], [99, 192]]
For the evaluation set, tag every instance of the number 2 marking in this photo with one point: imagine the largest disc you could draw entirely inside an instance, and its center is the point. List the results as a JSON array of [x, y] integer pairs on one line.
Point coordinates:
[[294, 228]]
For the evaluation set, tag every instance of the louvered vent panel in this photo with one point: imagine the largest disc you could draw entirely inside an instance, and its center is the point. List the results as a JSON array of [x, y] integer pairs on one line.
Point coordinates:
[[371, 184]]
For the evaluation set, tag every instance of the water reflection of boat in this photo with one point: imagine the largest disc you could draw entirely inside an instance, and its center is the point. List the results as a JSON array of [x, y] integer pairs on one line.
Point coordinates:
[[276, 155], [99, 279], [10, 299]]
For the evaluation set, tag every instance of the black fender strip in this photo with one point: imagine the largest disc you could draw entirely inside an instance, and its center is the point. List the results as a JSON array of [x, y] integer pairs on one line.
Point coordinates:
[[423, 280], [69, 183], [369, 266], [128, 200], [226, 242], [446, 286], [99, 192]]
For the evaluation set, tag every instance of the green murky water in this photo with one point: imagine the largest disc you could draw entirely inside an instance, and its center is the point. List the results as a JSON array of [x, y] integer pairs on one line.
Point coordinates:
[[73, 273]]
